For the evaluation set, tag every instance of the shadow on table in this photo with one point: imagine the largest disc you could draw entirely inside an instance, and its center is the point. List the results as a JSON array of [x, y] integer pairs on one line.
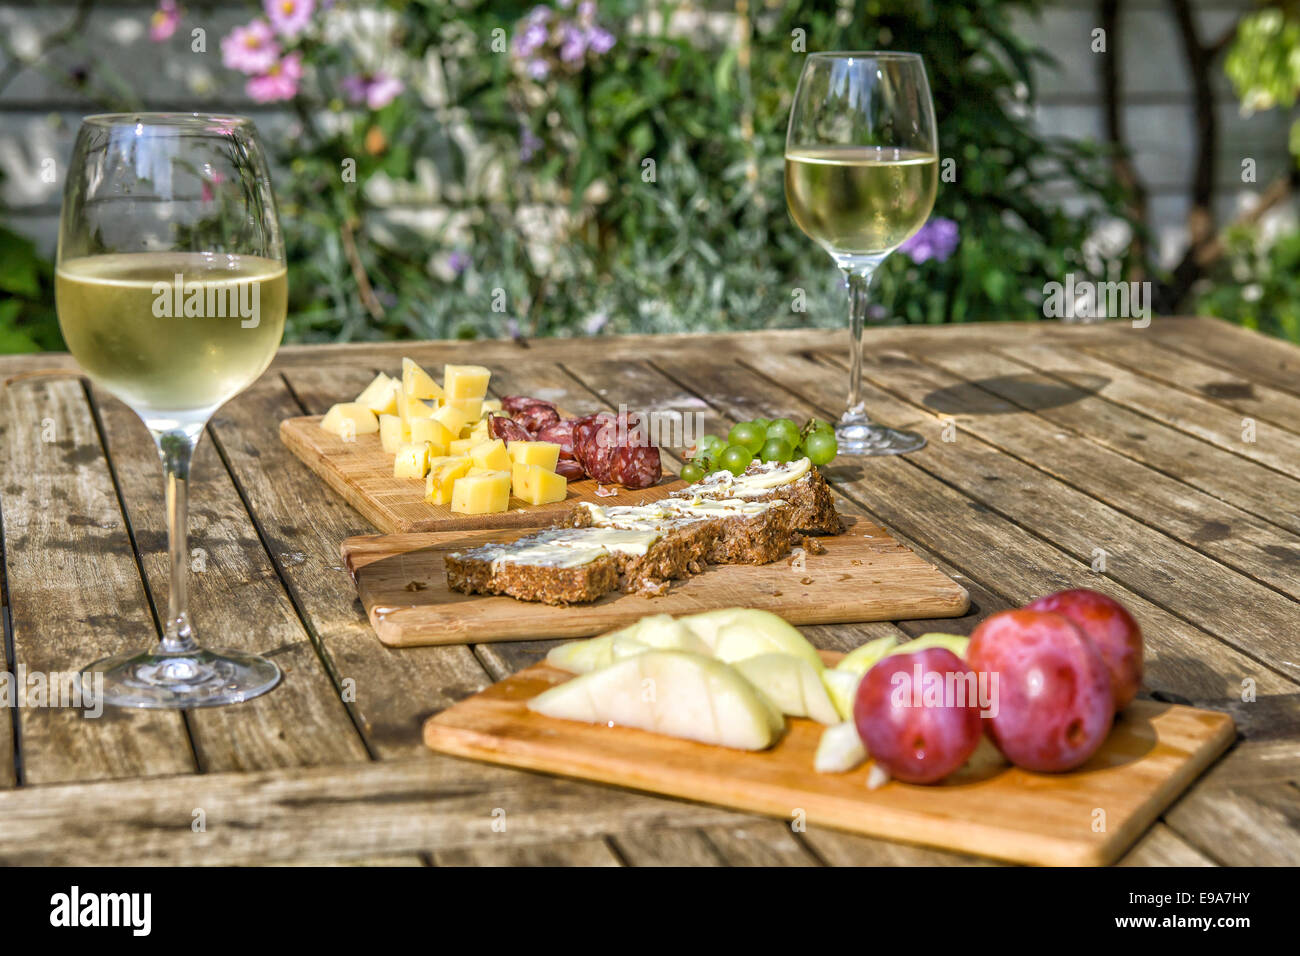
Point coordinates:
[[1012, 393]]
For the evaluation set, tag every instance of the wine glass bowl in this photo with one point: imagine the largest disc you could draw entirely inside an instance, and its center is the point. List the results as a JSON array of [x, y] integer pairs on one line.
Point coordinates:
[[861, 172], [171, 292]]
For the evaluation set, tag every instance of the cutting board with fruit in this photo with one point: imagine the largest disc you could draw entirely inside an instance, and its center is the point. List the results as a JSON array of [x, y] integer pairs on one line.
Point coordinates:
[[864, 574], [735, 708], [412, 454]]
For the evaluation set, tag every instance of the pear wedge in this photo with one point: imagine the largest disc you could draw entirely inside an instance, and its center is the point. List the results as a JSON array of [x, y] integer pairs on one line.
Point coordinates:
[[791, 684], [949, 642], [842, 688], [676, 693], [862, 659], [735, 633], [840, 749]]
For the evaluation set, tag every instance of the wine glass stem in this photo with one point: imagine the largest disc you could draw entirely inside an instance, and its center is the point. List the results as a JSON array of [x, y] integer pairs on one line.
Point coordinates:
[[176, 448], [859, 275]]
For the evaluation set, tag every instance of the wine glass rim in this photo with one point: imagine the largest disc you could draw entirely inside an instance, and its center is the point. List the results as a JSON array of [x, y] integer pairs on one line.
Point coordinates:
[[865, 54], [209, 121]]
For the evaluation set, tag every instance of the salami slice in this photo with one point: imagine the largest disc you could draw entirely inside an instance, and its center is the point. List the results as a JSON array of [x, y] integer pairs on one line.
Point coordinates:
[[536, 416], [570, 469], [514, 403], [637, 466], [505, 428], [561, 433], [594, 438]]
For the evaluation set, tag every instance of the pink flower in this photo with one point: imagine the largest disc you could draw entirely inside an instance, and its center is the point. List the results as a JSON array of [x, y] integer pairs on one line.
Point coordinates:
[[280, 82], [289, 17], [376, 90], [250, 49], [164, 21]]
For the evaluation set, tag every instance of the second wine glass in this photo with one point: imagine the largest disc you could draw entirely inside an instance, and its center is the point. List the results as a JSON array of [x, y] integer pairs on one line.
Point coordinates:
[[861, 170]]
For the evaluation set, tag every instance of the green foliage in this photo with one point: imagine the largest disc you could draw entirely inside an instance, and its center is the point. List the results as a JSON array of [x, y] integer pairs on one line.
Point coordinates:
[[27, 319], [1260, 288]]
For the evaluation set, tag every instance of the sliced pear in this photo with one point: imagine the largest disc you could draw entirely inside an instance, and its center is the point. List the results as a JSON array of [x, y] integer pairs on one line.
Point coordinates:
[[656, 631], [582, 657], [736, 633], [842, 687], [862, 659], [840, 750], [951, 642], [791, 684], [676, 693]]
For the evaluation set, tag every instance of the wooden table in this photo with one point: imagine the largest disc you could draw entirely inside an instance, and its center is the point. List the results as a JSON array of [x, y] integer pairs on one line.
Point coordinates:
[[1166, 460]]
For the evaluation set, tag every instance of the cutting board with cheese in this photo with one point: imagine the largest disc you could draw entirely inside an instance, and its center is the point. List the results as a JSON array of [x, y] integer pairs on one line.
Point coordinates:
[[863, 574], [1088, 816], [383, 451]]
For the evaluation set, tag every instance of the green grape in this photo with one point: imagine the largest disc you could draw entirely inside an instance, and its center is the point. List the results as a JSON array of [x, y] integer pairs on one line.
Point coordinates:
[[816, 425], [736, 458], [821, 447], [748, 436], [785, 430], [761, 422], [708, 445], [691, 472], [776, 449]]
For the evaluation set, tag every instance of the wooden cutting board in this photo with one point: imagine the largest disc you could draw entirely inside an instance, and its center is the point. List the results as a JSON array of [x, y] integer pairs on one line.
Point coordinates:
[[865, 575], [1087, 817], [362, 472]]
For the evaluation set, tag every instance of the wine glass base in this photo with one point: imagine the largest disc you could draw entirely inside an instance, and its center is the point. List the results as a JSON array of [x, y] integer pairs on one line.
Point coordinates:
[[198, 678], [858, 436]]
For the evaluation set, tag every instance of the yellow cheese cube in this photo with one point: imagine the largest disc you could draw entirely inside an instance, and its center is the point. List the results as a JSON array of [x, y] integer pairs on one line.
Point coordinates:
[[491, 454], [491, 405], [348, 420], [456, 416], [481, 494], [461, 446], [409, 409], [380, 396], [417, 383], [465, 381], [412, 460], [536, 485], [480, 431], [435, 433], [544, 453], [443, 473], [393, 432]]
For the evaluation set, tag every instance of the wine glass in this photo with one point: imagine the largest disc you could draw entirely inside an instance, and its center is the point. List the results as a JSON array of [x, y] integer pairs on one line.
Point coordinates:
[[171, 292], [861, 169]]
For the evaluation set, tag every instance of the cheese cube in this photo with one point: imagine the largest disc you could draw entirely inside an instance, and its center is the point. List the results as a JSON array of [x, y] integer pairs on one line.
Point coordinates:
[[491, 454], [393, 432], [435, 433], [417, 383], [461, 446], [481, 494], [457, 416], [544, 453], [380, 396], [536, 485], [409, 409], [412, 460], [443, 473], [465, 381], [348, 420], [480, 431], [491, 405]]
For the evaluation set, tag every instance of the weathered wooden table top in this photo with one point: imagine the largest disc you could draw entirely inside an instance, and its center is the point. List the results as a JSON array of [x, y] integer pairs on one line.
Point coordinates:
[[1165, 460]]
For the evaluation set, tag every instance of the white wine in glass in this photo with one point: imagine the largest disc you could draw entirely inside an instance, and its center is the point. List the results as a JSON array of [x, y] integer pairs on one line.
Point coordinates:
[[861, 170], [171, 293]]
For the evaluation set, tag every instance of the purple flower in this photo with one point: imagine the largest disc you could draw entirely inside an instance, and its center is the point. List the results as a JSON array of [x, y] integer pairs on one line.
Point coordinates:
[[531, 39], [376, 90], [164, 21], [599, 40], [529, 144], [250, 49], [586, 13], [538, 69], [574, 46], [594, 322], [280, 82], [458, 262], [289, 17], [937, 239]]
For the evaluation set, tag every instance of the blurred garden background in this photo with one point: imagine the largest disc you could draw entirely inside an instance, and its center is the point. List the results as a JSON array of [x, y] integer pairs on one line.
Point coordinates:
[[484, 168]]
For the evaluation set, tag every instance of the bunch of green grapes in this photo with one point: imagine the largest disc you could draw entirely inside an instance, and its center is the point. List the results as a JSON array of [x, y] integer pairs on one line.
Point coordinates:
[[762, 439]]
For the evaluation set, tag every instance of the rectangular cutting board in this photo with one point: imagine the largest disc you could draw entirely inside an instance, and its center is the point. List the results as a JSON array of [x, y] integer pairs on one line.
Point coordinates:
[[362, 472], [865, 575], [1088, 817]]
